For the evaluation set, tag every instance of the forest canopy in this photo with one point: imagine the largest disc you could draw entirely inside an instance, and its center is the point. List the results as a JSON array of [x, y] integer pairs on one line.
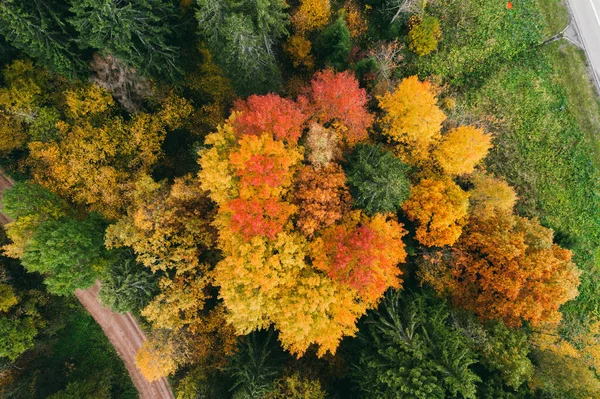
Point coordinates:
[[309, 199]]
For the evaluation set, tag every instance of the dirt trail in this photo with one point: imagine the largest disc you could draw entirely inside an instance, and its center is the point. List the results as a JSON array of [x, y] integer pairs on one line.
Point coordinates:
[[127, 337], [121, 329]]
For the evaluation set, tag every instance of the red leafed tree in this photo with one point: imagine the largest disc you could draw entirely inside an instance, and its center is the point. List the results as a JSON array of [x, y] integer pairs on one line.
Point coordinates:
[[271, 114], [336, 98], [363, 253], [255, 217]]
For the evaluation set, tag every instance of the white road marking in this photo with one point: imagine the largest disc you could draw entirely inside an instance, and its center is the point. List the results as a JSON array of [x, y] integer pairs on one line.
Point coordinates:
[[595, 12]]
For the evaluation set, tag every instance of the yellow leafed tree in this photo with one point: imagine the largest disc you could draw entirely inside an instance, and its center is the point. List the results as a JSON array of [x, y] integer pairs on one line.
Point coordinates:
[[439, 207], [461, 149], [412, 119], [311, 15]]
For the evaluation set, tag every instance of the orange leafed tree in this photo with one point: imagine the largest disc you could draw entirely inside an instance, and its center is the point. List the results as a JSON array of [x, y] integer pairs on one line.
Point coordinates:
[[161, 354], [272, 114], [322, 197], [263, 166], [412, 118], [507, 267], [337, 99], [362, 253], [461, 149], [439, 207], [98, 156]]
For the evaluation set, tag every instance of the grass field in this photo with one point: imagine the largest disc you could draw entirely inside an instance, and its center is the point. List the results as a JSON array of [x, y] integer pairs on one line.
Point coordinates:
[[555, 14], [547, 123]]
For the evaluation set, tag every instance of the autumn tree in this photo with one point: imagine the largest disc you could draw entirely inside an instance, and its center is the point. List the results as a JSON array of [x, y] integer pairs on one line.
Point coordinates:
[[180, 300], [216, 175], [137, 33], [264, 170], [424, 34], [161, 354], [439, 207], [299, 49], [210, 90], [270, 114], [412, 119], [263, 166], [311, 15], [322, 197], [22, 110], [490, 194], [377, 179], [335, 99], [321, 145], [355, 21], [97, 156], [268, 282], [167, 227], [363, 253], [461, 149], [507, 267]]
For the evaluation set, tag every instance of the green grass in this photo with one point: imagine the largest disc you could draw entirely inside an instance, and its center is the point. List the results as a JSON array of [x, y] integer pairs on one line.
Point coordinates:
[[543, 111], [583, 103], [478, 37], [555, 14]]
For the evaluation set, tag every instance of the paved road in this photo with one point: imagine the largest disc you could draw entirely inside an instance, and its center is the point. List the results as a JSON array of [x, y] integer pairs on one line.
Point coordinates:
[[121, 329], [587, 16]]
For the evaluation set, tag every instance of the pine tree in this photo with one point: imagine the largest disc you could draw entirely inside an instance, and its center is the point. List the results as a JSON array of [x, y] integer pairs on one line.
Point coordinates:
[[136, 32]]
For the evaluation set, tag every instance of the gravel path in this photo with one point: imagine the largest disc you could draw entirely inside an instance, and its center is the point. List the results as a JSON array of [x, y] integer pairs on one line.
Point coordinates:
[[121, 329]]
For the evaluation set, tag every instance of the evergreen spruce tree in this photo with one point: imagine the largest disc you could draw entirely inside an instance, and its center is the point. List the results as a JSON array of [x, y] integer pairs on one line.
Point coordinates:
[[240, 35], [137, 32]]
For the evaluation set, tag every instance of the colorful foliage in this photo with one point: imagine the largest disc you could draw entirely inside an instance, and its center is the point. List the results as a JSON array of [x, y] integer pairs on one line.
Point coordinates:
[[439, 207], [258, 217], [412, 118], [263, 166], [461, 149], [362, 253], [299, 49], [337, 99], [322, 197], [269, 114], [311, 15]]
